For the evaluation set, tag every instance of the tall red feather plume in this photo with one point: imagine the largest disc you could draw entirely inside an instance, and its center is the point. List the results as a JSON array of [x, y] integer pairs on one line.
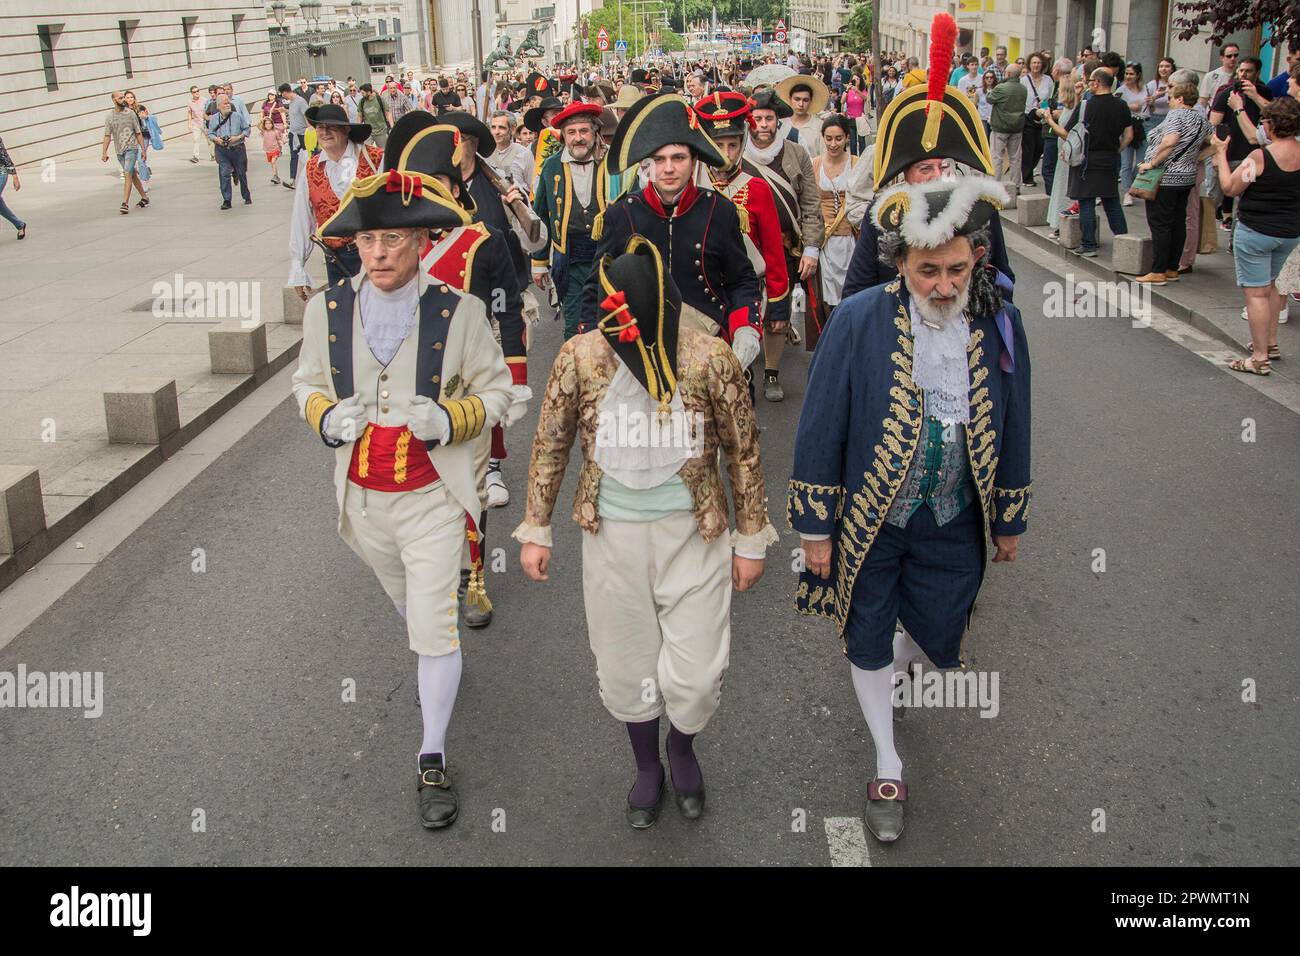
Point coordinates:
[[943, 40]]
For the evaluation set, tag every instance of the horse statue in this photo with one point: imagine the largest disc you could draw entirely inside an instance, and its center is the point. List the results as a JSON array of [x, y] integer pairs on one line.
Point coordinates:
[[501, 60]]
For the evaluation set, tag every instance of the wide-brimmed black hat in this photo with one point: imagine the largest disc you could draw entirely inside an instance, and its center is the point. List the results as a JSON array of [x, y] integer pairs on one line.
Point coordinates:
[[471, 125], [393, 200], [958, 133], [769, 100], [434, 149], [655, 122], [328, 114], [637, 76], [402, 133], [639, 312], [724, 113], [533, 118]]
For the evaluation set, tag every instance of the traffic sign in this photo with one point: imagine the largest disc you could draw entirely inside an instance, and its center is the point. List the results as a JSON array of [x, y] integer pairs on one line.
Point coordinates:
[[756, 38], [584, 31], [779, 36], [780, 24], [620, 46], [602, 40]]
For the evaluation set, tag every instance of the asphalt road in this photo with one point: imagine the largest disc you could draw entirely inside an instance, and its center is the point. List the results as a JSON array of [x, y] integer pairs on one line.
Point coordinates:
[[1119, 691]]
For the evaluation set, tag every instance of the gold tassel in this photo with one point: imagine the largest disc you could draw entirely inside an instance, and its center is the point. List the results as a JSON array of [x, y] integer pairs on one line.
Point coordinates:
[[476, 590], [743, 213], [598, 225]]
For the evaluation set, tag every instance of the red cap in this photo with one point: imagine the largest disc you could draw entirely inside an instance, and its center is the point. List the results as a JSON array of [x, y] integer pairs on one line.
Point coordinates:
[[577, 109]]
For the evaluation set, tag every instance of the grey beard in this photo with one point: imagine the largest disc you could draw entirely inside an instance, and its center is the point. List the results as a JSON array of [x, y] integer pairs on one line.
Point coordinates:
[[937, 316]]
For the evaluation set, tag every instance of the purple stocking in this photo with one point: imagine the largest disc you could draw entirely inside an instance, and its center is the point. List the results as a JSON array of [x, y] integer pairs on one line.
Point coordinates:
[[649, 771], [687, 777]]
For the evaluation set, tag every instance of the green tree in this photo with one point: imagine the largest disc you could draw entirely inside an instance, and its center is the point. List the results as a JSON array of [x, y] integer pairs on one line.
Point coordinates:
[[858, 26], [637, 28], [1225, 17]]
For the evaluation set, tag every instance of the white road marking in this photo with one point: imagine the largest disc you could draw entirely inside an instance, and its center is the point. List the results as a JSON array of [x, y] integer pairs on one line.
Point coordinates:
[[847, 840]]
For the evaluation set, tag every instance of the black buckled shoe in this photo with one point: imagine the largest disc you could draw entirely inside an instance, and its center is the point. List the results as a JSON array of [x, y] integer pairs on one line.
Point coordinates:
[[884, 811], [436, 798], [642, 818]]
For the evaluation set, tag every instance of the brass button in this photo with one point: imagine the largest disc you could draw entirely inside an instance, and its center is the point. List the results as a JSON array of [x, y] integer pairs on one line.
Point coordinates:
[[436, 379], [697, 262], [447, 312], [384, 409], [333, 337], [444, 288], [341, 281], [464, 255], [462, 272], [697, 245], [384, 393], [437, 345], [333, 304], [383, 377], [333, 370]]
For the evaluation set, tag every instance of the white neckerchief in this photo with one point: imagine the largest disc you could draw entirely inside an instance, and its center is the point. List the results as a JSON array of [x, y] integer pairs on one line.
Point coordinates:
[[642, 463], [387, 318], [940, 368], [341, 173], [583, 175], [767, 154]]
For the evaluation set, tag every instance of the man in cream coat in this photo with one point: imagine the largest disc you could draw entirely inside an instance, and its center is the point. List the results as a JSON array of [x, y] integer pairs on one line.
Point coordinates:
[[400, 375]]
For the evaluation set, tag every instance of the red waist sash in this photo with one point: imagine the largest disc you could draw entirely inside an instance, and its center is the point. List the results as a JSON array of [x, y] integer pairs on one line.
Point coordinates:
[[390, 459]]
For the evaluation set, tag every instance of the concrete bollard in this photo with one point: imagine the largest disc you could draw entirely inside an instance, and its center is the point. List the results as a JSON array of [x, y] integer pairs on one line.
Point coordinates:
[[1132, 256], [1031, 210], [294, 307], [144, 413], [22, 514], [1071, 232], [236, 349]]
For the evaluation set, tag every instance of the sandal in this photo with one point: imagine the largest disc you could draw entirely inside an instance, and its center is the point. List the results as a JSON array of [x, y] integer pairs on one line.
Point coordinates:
[[124, 208], [143, 202], [1251, 367], [1274, 353]]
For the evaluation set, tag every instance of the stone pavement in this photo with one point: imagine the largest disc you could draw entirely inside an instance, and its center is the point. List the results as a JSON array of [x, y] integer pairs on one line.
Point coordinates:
[[84, 310], [1208, 298]]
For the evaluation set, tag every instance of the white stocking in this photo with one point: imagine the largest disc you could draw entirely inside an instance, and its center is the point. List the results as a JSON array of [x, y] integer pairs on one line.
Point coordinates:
[[905, 650], [875, 696], [439, 678]]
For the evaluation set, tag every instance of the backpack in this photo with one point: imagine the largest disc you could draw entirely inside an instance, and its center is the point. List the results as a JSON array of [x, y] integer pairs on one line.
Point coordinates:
[[1075, 147]]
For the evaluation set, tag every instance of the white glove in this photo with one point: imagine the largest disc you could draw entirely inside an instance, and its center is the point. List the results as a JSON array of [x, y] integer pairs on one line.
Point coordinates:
[[520, 396], [745, 344], [347, 420], [427, 421]]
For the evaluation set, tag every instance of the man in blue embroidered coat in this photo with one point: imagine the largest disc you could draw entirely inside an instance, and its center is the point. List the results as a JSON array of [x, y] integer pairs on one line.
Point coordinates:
[[911, 452]]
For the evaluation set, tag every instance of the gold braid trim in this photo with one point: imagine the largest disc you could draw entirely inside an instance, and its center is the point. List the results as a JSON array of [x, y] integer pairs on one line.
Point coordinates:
[[467, 418], [1015, 499], [819, 499], [363, 453], [318, 403], [399, 457]]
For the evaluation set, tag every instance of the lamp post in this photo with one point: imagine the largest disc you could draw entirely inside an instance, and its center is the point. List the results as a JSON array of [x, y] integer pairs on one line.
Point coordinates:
[[277, 11], [311, 12], [356, 10]]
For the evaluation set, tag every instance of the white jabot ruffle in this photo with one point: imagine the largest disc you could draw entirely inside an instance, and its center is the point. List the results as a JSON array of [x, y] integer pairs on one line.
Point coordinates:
[[940, 369], [641, 464]]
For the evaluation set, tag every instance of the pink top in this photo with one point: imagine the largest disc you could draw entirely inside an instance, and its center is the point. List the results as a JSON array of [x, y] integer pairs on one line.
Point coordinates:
[[854, 102], [270, 140], [197, 116]]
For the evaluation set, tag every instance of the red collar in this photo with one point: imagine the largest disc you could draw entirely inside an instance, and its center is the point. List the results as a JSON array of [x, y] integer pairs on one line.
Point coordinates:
[[684, 202]]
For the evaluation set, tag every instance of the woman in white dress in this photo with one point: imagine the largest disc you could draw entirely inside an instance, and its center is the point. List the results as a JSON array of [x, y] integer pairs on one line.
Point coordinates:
[[836, 171]]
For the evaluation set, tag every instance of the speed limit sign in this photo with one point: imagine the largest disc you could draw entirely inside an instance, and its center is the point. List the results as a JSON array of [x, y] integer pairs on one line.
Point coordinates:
[[602, 40]]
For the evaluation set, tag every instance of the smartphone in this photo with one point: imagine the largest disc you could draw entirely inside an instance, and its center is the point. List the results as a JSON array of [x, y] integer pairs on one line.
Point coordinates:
[[1223, 131]]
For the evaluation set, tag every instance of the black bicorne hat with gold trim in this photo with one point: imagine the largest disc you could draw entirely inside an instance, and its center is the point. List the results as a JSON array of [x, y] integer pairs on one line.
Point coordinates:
[[932, 121], [927, 215], [428, 147], [655, 122], [394, 200], [639, 315]]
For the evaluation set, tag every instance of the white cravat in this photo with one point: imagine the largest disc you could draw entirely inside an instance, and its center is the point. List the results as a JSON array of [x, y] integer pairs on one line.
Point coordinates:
[[583, 176], [940, 368], [387, 318]]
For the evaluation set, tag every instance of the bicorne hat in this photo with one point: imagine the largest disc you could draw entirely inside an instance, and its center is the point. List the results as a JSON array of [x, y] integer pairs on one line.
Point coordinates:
[[638, 314], [655, 122], [725, 113], [393, 200], [769, 100]]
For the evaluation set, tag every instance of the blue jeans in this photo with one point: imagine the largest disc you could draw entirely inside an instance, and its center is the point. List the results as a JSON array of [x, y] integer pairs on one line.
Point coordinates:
[[1088, 220], [5, 211], [1050, 146], [232, 161], [296, 146], [1128, 164]]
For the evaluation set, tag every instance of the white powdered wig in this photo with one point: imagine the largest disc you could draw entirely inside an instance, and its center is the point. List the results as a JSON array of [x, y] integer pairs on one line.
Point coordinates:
[[921, 232]]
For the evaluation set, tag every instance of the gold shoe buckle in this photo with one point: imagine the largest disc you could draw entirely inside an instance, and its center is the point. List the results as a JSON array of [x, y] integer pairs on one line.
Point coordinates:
[[439, 781], [891, 795]]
